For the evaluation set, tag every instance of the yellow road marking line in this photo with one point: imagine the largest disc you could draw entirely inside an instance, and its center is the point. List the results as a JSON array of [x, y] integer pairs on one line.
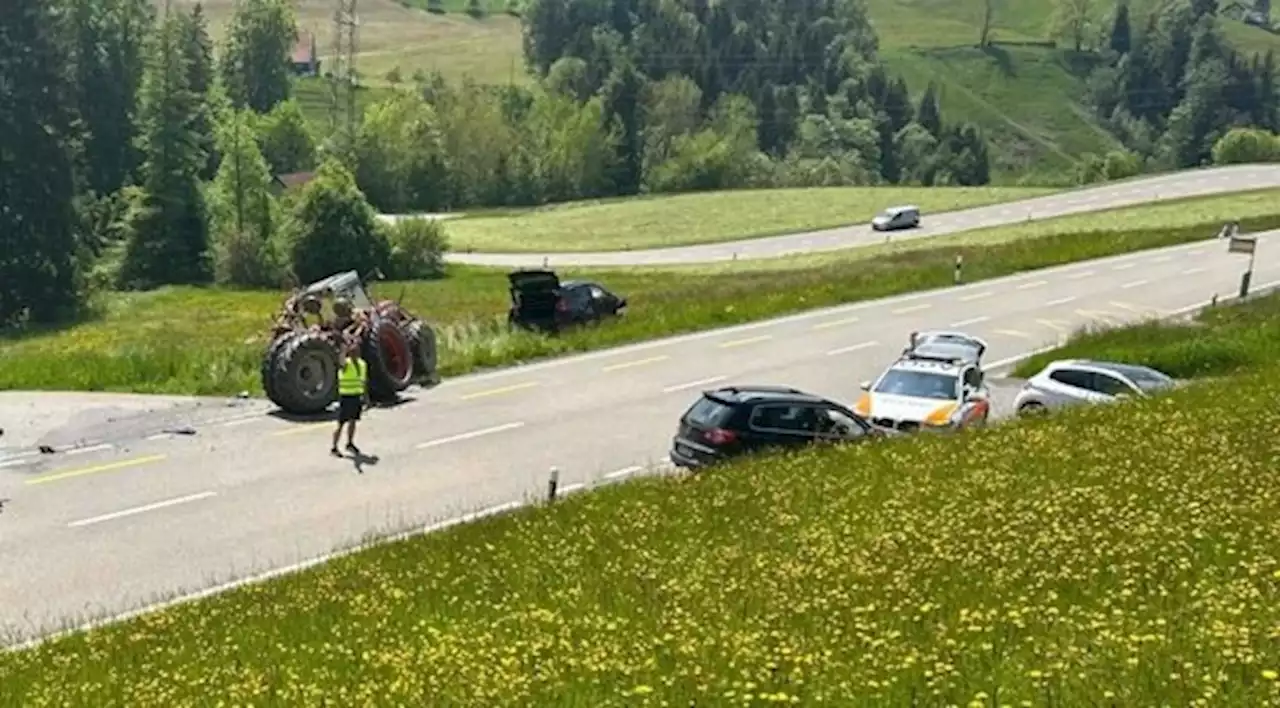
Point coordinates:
[[835, 323], [1136, 309], [638, 362], [304, 428], [1097, 314], [55, 476], [1013, 333], [913, 308], [498, 391], [749, 340], [1053, 324]]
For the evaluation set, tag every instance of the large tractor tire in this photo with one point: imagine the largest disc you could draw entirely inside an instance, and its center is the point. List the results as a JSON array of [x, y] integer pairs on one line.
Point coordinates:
[[422, 338], [269, 363], [387, 351], [304, 376]]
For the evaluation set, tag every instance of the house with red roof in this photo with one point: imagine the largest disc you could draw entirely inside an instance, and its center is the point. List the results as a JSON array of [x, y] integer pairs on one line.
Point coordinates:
[[304, 59]]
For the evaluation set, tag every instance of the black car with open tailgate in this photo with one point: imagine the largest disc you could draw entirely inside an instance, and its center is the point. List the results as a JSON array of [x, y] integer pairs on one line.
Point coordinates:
[[540, 301]]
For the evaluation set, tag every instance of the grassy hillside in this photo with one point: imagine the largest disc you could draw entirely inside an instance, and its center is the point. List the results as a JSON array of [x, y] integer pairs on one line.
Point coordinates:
[[1029, 99], [1108, 556]]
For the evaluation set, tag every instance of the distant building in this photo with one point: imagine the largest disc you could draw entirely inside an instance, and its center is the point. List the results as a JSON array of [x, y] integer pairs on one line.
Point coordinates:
[[290, 181], [304, 59]]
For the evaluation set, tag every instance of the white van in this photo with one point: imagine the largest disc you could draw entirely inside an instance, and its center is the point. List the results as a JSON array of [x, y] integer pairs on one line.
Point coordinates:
[[899, 217]]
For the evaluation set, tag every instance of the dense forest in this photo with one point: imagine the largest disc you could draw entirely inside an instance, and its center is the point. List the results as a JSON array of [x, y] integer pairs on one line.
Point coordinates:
[[134, 153]]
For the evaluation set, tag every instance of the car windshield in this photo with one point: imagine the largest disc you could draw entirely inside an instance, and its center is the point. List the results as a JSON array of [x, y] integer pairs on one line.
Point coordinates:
[[1146, 379], [918, 384]]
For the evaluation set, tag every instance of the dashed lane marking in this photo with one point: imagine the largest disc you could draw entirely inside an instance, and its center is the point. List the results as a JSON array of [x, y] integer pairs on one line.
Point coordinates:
[[744, 342], [1134, 284], [1081, 274], [1013, 333], [913, 308], [1123, 266], [1032, 284], [499, 391], [1192, 271], [835, 323], [1055, 325], [142, 509], [975, 296], [109, 467], [1060, 301], [970, 321], [853, 348], [637, 362], [468, 436], [694, 384]]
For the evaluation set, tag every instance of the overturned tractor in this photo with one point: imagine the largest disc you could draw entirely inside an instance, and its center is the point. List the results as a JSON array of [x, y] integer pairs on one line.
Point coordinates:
[[300, 369]]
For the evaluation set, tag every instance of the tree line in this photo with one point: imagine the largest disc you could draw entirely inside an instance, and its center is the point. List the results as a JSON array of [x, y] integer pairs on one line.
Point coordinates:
[[132, 155], [1169, 86], [673, 95]]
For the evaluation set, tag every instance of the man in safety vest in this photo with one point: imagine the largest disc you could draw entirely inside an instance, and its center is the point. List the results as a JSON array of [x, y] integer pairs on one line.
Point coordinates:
[[351, 382]]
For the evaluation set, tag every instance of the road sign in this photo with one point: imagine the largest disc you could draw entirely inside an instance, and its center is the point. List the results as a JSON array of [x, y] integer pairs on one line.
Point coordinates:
[[1242, 244]]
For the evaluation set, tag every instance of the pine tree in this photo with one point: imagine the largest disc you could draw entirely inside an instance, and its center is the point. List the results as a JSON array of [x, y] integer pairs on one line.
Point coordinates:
[[243, 212], [108, 37], [1121, 34], [199, 52], [929, 113], [168, 239], [255, 61], [39, 274]]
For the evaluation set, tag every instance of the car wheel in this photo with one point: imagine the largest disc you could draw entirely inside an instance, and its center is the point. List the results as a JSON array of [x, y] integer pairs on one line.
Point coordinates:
[[1032, 409]]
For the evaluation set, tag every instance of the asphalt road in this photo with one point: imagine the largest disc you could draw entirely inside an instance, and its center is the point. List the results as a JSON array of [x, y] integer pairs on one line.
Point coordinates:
[[142, 514], [1180, 185]]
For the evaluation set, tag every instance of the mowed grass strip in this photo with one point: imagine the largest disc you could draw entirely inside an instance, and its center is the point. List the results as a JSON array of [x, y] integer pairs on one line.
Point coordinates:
[[706, 217], [1114, 555], [1216, 342], [210, 341]]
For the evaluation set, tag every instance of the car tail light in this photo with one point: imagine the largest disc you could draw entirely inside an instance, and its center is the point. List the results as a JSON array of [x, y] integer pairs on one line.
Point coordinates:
[[720, 436]]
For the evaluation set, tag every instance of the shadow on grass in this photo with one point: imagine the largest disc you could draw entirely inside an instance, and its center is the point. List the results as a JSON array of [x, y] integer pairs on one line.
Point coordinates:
[[1003, 61]]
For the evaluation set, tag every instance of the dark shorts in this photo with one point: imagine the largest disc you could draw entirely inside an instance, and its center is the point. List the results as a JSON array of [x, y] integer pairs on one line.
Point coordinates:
[[349, 408]]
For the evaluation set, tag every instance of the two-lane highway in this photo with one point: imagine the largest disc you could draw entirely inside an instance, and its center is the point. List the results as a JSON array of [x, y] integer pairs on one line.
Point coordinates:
[[122, 524], [1131, 192]]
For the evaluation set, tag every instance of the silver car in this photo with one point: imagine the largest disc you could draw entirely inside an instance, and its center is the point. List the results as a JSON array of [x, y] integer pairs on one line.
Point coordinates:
[[899, 217], [1069, 382]]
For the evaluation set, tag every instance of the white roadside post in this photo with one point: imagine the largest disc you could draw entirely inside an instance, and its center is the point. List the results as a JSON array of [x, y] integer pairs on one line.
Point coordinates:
[[1248, 245], [959, 266]]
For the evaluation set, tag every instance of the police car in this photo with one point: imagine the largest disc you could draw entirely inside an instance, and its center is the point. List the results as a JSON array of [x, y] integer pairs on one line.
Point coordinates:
[[937, 385]]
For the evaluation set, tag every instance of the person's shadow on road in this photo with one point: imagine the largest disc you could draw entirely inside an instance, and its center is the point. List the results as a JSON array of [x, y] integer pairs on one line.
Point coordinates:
[[360, 459]]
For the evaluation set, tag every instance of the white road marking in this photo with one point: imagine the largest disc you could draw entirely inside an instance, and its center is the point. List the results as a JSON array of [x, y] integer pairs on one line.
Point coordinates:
[[473, 434], [970, 321], [1001, 363], [142, 509], [694, 384], [1162, 259], [1082, 274], [623, 472], [637, 362], [1192, 271], [1123, 266], [15, 462], [239, 421], [748, 340], [1013, 333], [571, 488], [835, 323], [158, 436], [1060, 301], [1033, 284], [91, 448], [1134, 284], [913, 308], [854, 348], [978, 296]]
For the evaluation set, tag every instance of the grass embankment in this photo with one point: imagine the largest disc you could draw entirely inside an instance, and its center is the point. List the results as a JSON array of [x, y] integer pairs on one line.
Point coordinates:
[[1216, 342], [707, 217], [210, 341], [1107, 556]]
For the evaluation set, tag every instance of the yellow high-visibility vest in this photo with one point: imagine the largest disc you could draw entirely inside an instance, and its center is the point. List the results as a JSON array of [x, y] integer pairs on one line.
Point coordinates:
[[351, 378]]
